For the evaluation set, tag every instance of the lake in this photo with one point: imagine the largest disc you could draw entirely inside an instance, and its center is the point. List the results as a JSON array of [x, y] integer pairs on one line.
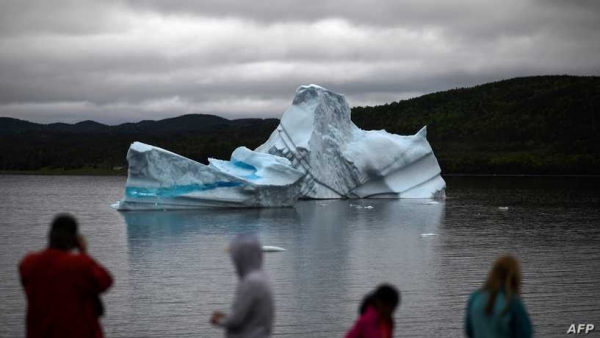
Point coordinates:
[[171, 270]]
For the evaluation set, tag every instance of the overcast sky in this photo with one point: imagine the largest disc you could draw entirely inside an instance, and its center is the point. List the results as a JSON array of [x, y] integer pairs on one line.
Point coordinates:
[[126, 61]]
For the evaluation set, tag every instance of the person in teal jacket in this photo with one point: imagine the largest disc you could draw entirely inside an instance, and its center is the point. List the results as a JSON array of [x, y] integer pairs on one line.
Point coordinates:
[[496, 310]]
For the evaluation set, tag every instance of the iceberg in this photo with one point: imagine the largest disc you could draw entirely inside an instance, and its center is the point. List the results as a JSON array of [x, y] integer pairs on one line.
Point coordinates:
[[159, 180], [316, 152]]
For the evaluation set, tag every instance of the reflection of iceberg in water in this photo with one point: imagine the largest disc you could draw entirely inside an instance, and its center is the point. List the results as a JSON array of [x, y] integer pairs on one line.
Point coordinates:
[[185, 223], [315, 152], [179, 265], [334, 254], [153, 228]]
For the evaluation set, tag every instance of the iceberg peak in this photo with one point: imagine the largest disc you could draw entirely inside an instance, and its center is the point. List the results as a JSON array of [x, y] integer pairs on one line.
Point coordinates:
[[342, 161], [312, 85]]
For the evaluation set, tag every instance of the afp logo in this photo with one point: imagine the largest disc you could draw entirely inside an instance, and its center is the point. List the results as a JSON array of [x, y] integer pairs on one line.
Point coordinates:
[[581, 328]]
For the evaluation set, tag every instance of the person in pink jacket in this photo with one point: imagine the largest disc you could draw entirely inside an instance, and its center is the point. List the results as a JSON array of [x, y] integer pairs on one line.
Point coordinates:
[[376, 314]]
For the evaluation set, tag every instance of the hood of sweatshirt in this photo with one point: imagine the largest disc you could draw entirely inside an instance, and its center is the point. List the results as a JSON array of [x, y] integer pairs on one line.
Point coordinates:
[[246, 254]]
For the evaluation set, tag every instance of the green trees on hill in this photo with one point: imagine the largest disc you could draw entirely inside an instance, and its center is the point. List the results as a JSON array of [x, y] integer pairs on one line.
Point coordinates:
[[49, 150], [532, 125]]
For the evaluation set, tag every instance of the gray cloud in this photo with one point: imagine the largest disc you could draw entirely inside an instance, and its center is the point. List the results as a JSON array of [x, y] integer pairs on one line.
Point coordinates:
[[69, 17], [485, 18], [118, 61]]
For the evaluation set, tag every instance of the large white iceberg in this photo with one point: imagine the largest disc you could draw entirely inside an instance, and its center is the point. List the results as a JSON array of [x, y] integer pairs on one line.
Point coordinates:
[[315, 152], [160, 179]]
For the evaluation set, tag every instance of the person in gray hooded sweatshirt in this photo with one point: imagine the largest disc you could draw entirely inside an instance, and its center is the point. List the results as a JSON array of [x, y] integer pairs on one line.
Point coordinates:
[[253, 310]]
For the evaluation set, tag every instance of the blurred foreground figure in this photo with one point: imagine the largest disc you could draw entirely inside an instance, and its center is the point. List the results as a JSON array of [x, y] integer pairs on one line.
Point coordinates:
[[376, 314], [62, 286], [496, 310], [253, 310]]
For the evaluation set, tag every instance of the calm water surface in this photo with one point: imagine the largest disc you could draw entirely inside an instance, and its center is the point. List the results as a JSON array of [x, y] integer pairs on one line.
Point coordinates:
[[171, 270]]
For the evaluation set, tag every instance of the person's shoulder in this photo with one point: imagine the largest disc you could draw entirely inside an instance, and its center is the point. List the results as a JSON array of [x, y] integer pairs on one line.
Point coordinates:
[[257, 280], [475, 294], [30, 257], [32, 261], [476, 298], [370, 316]]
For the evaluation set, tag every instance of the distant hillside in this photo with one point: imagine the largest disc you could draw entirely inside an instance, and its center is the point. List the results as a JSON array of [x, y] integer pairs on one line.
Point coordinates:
[[185, 123], [26, 146], [9, 126], [532, 125]]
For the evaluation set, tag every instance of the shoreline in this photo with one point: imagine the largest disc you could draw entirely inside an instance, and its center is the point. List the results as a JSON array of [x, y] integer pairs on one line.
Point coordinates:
[[61, 172]]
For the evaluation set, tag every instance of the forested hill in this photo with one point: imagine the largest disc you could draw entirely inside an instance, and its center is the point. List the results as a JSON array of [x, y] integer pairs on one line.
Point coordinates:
[[530, 125], [181, 124], [92, 147]]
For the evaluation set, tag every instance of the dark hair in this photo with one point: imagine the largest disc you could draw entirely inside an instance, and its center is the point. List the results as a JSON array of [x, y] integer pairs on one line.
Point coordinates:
[[63, 232], [385, 293], [504, 276]]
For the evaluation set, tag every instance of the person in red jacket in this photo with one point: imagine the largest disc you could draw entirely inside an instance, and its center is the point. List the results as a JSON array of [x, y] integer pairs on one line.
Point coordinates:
[[376, 314], [63, 286]]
